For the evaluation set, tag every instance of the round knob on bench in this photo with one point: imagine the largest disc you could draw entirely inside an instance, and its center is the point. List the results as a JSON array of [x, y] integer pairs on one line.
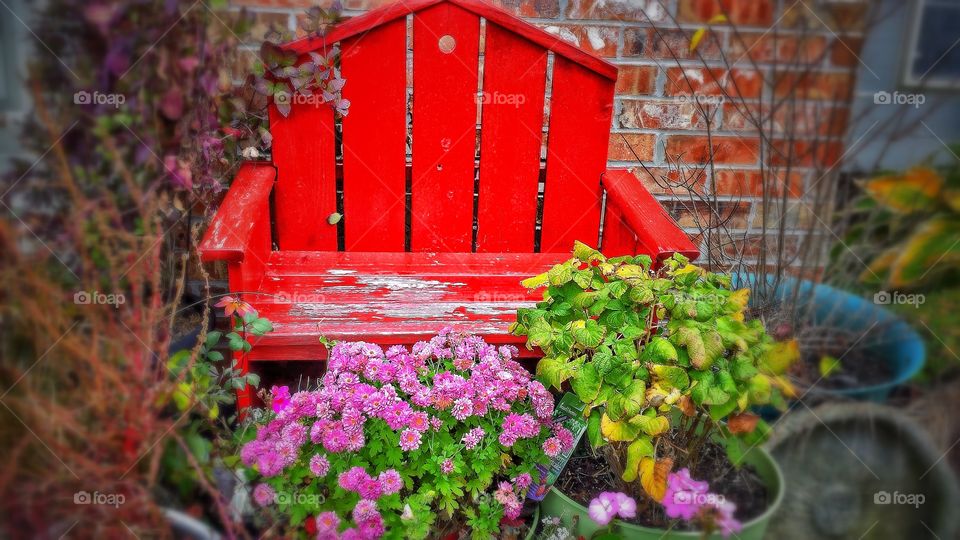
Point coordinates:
[[447, 44]]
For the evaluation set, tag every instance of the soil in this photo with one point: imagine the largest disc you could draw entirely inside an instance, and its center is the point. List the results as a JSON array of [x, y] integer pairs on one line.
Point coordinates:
[[588, 474], [858, 369]]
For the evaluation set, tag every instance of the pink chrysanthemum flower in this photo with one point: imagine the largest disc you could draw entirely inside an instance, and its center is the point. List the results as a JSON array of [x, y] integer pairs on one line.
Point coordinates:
[[264, 495], [409, 440], [364, 509], [390, 481], [327, 522], [551, 447], [319, 465], [447, 466]]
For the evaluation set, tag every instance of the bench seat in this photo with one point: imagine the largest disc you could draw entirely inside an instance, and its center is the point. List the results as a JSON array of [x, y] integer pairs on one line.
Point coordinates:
[[390, 298]]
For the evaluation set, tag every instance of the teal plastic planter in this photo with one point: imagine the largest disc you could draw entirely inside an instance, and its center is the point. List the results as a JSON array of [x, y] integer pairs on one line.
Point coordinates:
[[900, 347], [559, 505]]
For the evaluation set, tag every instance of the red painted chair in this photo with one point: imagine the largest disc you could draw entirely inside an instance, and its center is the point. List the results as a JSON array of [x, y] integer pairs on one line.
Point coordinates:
[[448, 201]]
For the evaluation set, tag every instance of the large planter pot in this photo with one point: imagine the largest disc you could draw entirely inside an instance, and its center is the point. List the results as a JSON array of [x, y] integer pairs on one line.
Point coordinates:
[[559, 505], [901, 347]]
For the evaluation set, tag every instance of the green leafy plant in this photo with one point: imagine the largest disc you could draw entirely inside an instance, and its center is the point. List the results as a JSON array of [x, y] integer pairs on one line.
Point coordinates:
[[654, 354]]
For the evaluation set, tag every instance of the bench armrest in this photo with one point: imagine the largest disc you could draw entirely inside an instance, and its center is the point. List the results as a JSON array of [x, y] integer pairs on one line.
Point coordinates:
[[656, 232], [232, 231]]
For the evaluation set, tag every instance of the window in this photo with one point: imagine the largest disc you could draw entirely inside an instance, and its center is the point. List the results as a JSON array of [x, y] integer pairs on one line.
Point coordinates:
[[933, 48]]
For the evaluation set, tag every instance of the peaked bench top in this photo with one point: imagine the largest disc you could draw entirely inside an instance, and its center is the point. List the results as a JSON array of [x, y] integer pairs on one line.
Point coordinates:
[[377, 17]]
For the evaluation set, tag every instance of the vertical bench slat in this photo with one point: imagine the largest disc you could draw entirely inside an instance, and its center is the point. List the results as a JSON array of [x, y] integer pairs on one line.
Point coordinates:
[[374, 133], [514, 77], [444, 128], [303, 151], [580, 109]]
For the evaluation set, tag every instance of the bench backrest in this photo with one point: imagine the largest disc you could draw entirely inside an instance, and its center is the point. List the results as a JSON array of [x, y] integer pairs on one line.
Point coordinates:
[[447, 146]]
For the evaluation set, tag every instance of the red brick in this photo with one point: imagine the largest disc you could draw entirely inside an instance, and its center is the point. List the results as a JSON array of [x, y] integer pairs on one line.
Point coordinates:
[[738, 12], [806, 153], [810, 119], [631, 146], [770, 47], [839, 17], [365, 5], [263, 22], [676, 180], [735, 84], [618, 10], [661, 114], [696, 213], [636, 41], [739, 116], [725, 150], [670, 44], [636, 79], [808, 84], [845, 52], [752, 245], [601, 40], [751, 183], [531, 8]]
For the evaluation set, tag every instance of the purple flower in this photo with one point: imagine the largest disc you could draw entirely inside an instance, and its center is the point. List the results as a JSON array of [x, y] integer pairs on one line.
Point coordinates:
[[319, 465], [350, 480], [684, 496], [523, 481], [551, 447], [364, 510], [608, 505], [327, 522], [724, 517], [370, 488], [473, 438], [462, 409], [264, 495], [390, 481], [279, 398], [409, 440], [447, 466]]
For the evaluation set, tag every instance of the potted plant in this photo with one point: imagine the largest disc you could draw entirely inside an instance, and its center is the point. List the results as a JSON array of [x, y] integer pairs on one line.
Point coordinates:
[[435, 440], [667, 368]]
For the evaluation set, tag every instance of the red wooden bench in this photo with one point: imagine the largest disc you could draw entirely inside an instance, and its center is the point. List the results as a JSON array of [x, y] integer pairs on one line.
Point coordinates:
[[442, 218]]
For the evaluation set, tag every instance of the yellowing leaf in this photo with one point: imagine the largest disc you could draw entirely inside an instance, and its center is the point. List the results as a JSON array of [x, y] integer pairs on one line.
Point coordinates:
[[654, 426], [535, 281], [780, 357], [653, 476], [638, 449], [739, 299], [828, 365], [932, 248], [742, 423], [618, 431], [702, 31], [916, 190]]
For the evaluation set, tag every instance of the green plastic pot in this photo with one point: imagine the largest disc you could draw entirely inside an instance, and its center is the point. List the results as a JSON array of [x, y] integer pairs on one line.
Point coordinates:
[[534, 522], [558, 504]]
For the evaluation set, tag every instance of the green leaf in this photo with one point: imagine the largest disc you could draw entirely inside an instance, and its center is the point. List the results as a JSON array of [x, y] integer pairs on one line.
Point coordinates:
[[585, 253], [652, 426], [742, 369], [540, 333], [587, 333], [671, 377], [691, 339], [618, 431], [586, 383], [640, 448], [660, 351], [213, 337], [641, 294], [560, 274], [593, 430]]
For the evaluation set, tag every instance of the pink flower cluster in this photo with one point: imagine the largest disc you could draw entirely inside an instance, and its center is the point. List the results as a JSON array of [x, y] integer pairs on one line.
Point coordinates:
[[690, 499], [438, 385], [510, 495], [609, 505]]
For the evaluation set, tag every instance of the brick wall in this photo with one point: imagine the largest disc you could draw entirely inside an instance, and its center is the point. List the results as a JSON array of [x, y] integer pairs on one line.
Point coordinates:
[[677, 109]]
